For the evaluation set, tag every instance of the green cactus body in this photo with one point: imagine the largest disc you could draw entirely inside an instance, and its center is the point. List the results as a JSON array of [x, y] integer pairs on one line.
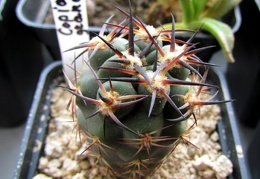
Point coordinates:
[[104, 53], [135, 97]]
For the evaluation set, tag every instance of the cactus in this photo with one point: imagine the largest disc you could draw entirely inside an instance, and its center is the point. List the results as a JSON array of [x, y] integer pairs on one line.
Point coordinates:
[[135, 93]]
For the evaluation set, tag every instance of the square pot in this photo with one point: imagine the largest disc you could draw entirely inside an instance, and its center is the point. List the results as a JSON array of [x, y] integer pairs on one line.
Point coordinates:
[[37, 125]]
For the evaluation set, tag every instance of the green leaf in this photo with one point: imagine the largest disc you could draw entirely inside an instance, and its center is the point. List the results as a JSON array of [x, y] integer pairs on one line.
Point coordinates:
[[187, 11], [199, 6], [221, 31], [220, 8]]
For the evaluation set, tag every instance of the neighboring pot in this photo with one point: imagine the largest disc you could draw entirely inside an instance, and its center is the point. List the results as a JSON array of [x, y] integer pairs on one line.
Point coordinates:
[[37, 125], [33, 13]]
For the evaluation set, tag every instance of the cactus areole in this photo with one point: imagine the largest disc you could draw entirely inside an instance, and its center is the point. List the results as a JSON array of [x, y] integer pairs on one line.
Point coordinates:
[[137, 88]]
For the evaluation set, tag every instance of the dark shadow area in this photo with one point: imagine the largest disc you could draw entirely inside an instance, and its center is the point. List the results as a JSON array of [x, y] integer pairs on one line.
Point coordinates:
[[21, 63], [244, 81]]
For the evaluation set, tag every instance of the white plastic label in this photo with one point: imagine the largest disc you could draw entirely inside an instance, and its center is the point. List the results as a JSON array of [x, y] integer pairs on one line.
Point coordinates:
[[70, 17]]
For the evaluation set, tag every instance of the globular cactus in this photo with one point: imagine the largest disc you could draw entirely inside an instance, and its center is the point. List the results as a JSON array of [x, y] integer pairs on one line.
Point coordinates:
[[135, 93]]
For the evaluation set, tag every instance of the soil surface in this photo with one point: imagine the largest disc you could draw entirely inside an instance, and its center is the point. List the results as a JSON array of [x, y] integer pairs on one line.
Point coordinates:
[[142, 9], [147, 10]]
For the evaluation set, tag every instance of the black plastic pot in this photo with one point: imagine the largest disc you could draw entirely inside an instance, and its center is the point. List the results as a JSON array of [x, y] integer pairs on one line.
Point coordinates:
[[40, 109], [33, 13]]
